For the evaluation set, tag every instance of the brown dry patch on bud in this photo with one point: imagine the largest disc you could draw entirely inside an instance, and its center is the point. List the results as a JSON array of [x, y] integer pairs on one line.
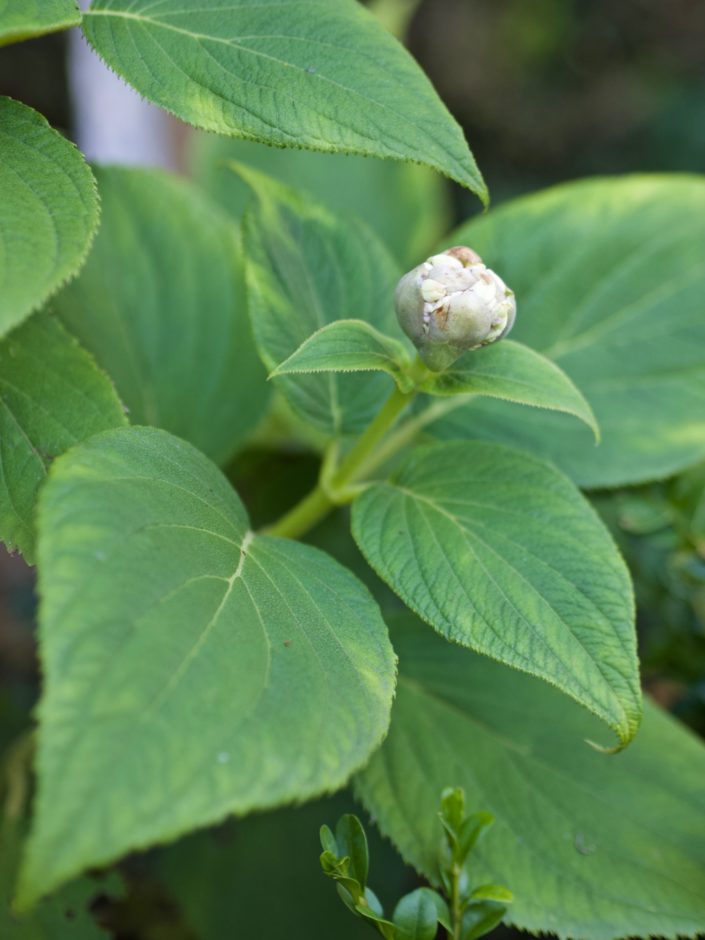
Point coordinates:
[[466, 256]]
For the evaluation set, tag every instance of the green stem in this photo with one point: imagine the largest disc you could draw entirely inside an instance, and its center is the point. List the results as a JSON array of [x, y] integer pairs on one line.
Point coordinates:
[[362, 459], [456, 903]]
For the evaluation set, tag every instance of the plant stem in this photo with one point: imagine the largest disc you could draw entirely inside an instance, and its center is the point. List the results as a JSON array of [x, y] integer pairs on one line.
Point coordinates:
[[362, 459], [456, 914]]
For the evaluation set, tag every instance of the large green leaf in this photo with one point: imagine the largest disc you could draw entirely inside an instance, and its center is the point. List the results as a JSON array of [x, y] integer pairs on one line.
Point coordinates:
[[405, 205], [24, 19], [593, 846], [192, 669], [52, 396], [320, 74], [513, 372], [48, 211], [610, 280], [161, 305], [500, 552], [305, 269]]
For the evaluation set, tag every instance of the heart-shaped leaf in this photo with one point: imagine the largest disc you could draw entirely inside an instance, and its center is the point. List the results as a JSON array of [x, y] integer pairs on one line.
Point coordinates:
[[192, 669]]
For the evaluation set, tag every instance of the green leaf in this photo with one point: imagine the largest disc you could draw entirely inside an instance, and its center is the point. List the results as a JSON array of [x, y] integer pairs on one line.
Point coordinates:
[[161, 305], [609, 276], [416, 916], [497, 893], [352, 841], [473, 827], [320, 75], [305, 269], [192, 669], [500, 552], [515, 373], [480, 918], [52, 396], [328, 843], [349, 346], [592, 846], [25, 19], [406, 206], [48, 211]]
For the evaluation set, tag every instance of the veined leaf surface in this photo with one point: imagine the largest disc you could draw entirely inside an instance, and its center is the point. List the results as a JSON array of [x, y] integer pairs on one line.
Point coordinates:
[[48, 211], [500, 552], [319, 74], [593, 846], [192, 669], [161, 305], [307, 268], [516, 373], [52, 395], [610, 279], [25, 19]]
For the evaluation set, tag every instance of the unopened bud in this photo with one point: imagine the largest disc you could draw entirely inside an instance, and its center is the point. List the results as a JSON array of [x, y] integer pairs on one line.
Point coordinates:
[[452, 303]]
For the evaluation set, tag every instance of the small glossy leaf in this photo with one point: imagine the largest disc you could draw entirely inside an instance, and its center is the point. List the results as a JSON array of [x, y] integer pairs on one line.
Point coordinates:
[[500, 552], [349, 346], [48, 211], [442, 911], [321, 75], [52, 395], [515, 373], [497, 893], [328, 842], [25, 19], [161, 305], [373, 911], [352, 841], [416, 916], [206, 670], [481, 918], [591, 846], [471, 830], [453, 809], [305, 269], [609, 276]]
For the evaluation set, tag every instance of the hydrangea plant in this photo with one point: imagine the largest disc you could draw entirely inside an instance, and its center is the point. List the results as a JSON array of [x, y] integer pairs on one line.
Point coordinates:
[[442, 607]]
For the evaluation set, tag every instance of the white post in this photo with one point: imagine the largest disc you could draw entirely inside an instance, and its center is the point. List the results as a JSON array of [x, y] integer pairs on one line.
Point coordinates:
[[112, 124]]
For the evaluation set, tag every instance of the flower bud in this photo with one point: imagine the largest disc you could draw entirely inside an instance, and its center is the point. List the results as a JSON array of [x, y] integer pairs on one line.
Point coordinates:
[[452, 303]]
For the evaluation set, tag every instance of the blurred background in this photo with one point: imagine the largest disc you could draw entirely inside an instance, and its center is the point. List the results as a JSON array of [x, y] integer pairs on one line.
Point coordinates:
[[546, 90]]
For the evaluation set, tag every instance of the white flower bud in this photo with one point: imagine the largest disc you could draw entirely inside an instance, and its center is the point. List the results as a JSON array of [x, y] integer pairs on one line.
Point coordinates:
[[452, 303]]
